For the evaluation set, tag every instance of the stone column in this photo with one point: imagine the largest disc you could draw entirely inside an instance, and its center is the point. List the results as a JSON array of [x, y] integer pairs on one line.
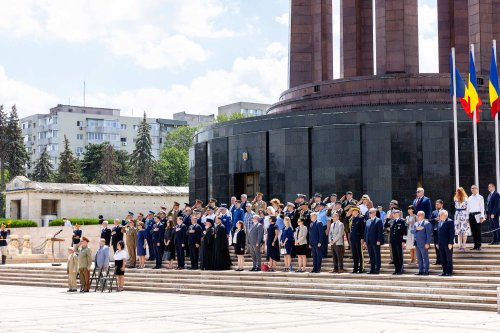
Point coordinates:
[[356, 38], [397, 36], [311, 50], [453, 31]]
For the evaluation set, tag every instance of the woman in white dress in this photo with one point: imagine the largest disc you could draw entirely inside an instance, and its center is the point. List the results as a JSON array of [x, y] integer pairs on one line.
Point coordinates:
[[462, 227], [410, 238]]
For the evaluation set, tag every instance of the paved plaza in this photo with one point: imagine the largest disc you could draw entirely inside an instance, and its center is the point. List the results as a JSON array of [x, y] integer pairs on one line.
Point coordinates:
[[34, 309]]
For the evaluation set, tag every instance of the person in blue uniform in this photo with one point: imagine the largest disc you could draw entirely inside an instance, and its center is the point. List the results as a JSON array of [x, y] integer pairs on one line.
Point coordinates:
[[180, 242], [398, 232], [446, 239], [422, 229], [106, 233], [316, 232], [237, 214], [77, 235], [3, 242], [434, 222], [272, 244], [374, 238], [226, 219], [157, 235], [150, 221], [357, 239], [194, 234], [141, 244]]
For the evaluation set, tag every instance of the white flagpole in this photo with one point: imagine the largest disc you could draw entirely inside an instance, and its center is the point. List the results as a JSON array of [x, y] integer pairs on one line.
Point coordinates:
[[455, 122], [474, 130], [497, 157]]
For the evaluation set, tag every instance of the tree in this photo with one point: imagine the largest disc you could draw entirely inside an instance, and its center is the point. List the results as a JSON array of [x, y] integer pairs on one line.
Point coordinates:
[[17, 156], [3, 155], [91, 162], [69, 170], [124, 172], [181, 137], [108, 173], [43, 168], [142, 157], [233, 116], [172, 168]]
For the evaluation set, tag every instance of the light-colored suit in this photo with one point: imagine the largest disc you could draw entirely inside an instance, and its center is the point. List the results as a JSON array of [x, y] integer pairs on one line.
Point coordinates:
[[72, 270], [336, 238], [301, 235], [102, 257], [254, 240]]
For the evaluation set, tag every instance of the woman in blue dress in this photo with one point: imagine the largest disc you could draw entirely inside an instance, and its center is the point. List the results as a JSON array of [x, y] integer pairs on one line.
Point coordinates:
[[141, 244], [273, 246], [286, 242]]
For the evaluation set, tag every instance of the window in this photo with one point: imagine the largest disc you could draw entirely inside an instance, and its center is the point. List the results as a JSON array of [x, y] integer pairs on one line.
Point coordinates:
[[111, 123], [136, 127], [123, 139], [53, 147], [79, 123], [54, 134], [79, 151], [123, 126], [79, 136], [25, 125], [111, 137], [26, 138], [91, 136]]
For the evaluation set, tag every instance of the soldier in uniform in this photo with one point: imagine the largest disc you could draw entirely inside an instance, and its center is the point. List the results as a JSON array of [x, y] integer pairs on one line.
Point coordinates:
[[347, 203], [116, 234], [301, 198], [398, 232], [150, 222], [316, 200], [77, 235], [130, 232], [3, 243], [387, 225], [72, 269], [290, 213], [174, 212], [158, 239], [84, 263], [357, 236], [106, 233], [226, 219], [258, 203]]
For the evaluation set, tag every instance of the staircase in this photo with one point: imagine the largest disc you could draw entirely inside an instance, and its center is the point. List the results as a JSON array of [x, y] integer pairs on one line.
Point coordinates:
[[473, 286]]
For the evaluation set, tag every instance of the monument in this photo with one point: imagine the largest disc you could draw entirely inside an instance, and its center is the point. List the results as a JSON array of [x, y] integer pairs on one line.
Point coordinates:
[[383, 128]]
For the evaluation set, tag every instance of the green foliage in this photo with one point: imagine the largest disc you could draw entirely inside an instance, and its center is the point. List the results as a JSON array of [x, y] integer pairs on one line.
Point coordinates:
[[124, 171], [69, 169], [233, 116], [142, 157], [18, 223], [17, 156], [172, 168], [43, 168], [109, 166], [75, 220], [92, 161], [181, 138]]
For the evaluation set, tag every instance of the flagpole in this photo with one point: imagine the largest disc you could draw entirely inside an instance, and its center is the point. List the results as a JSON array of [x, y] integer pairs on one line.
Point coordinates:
[[455, 122], [497, 157], [474, 131]]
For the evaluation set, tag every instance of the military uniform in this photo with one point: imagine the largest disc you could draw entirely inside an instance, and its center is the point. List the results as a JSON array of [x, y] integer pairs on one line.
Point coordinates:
[[72, 270], [357, 234], [131, 243], [84, 263], [3, 244], [398, 232], [259, 205], [75, 240]]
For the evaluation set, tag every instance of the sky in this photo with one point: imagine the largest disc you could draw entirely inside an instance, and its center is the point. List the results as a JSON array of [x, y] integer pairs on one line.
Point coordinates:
[[156, 56]]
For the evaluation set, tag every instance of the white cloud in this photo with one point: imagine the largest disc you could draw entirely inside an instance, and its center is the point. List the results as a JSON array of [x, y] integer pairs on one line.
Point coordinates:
[[29, 100], [283, 19], [428, 46]]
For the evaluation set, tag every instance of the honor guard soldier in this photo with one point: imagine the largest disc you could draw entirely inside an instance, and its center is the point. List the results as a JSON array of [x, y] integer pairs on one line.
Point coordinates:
[[301, 198], [130, 232], [357, 236], [398, 233], [305, 214], [258, 203], [77, 235], [174, 212], [316, 200], [347, 203], [226, 219], [3, 242], [158, 240]]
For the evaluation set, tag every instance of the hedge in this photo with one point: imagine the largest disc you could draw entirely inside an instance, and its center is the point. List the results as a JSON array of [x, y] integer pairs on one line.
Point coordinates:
[[74, 220], [18, 223]]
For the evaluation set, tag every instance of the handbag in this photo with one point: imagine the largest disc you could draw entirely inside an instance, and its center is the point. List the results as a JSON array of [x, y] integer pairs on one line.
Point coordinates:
[[283, 250], [264, 267]]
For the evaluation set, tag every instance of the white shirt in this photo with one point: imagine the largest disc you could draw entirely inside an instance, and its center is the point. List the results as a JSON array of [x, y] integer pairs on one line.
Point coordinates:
[[121, 255], [235, 236], [475, 203], [67, 223], [363, 209]]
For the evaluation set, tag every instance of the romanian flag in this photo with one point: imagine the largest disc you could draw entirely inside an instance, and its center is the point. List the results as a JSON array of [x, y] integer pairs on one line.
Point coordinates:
[[471, 95], [494, 91], [459, 87]]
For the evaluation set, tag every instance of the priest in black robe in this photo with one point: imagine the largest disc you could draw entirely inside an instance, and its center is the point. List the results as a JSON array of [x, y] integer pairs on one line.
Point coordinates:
[[207, 246], [222, 260]]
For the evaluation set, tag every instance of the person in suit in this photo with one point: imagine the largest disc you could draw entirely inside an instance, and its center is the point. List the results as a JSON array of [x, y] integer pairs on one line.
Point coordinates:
[[336, 240], [106, 233], [374, 238], [72, 269], [446, 239], [423, 203], [77, 236], [194, 234], [180, 242], [116, 234], [493, 212], [434, 222], [300, 238], [157, 235], [398, 242], [422, 231], [316, 232], [356, 237], [102, 256], [84, 263], [239, 243], [254, 241]]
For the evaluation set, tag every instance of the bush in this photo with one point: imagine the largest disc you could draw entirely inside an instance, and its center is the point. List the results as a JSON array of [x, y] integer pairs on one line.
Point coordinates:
[[74, 220], [18, 223]]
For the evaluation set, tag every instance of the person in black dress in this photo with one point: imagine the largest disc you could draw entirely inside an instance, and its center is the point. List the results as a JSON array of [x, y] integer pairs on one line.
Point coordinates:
[[207, 247], [222, 260], [120, 263], [272, 244], [239, 243], [169, 243]]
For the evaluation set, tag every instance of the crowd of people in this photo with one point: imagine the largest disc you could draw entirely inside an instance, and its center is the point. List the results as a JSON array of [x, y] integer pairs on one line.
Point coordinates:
[[290, 230]]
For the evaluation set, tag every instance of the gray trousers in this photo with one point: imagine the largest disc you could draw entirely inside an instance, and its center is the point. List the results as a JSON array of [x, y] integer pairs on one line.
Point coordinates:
[[255, 254]]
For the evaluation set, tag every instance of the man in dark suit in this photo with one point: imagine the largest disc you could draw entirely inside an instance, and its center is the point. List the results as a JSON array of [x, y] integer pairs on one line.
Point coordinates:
[[434, 222], [446, 238], [422, 203], [106, 233], [316, 233], [180, 241], [194, 240], [374, 237], [493, 211], [158, 236], [357, 236]]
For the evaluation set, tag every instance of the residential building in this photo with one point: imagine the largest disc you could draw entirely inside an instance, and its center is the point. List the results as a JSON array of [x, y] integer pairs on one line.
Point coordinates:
[[194, 119], [246, 108], [87, 125]]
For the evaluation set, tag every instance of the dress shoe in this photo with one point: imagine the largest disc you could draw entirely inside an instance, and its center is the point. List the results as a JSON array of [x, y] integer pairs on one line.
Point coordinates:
[[341, 270], [443, 274], [376, 272], [253, 269], [354, 272], [258, 269], [419, 273], [425, 273]]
